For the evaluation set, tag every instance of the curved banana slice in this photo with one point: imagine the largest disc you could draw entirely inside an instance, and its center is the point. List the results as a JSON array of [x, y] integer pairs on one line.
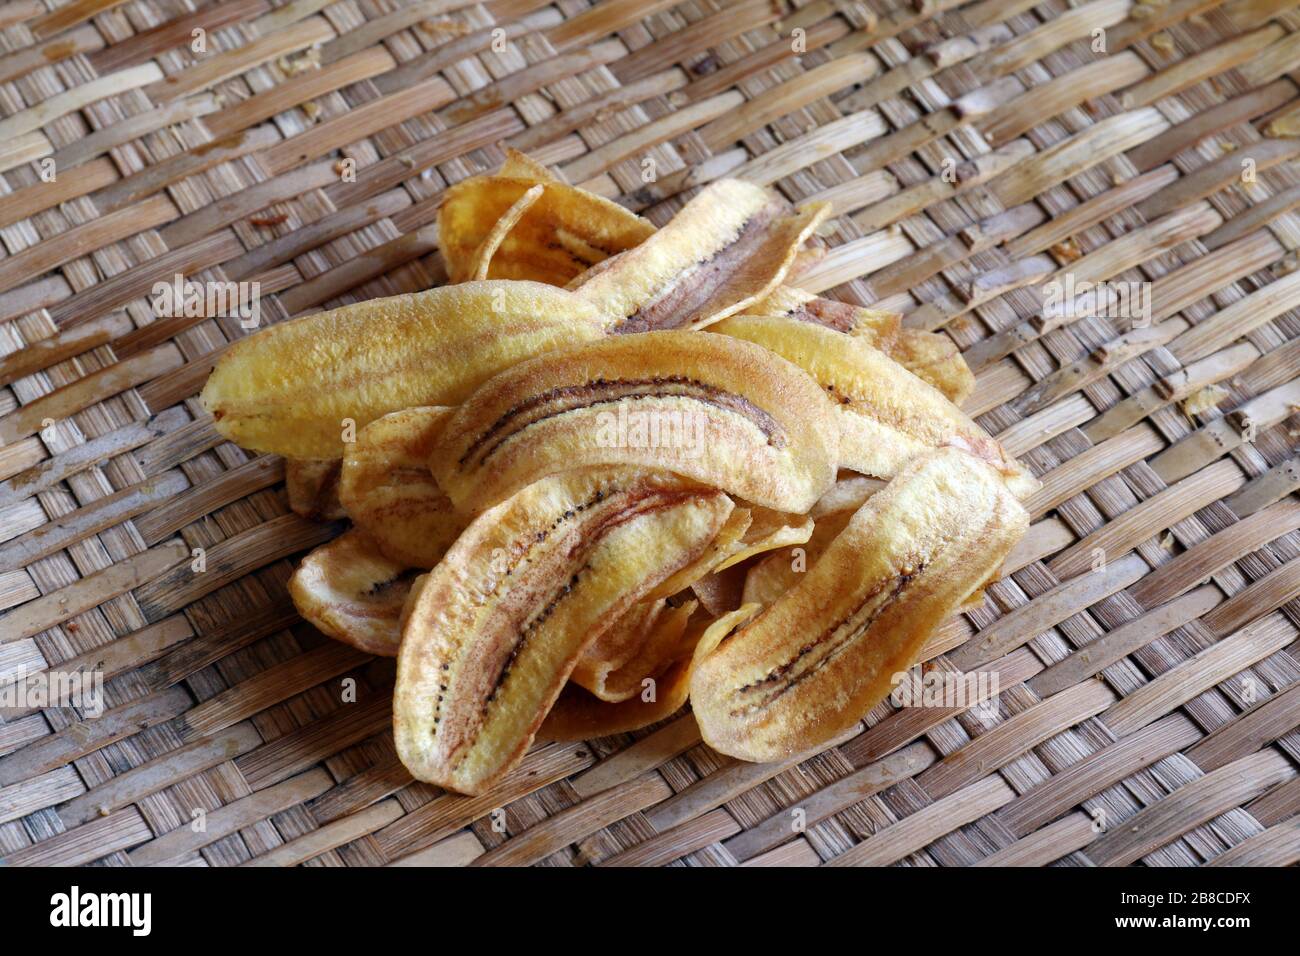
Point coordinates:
[[352, 593], [886, 414], [640, 645], [732, 244], [293, 388], [931, 357], [388, 491], [560, 235], [313, 488], [499, 624], [728, 414], [824, 653]]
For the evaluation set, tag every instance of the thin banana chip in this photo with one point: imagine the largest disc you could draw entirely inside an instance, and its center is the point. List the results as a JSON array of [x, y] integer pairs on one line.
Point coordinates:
[[298, 388], [557, 237], [640, 645], [500, 623], [930, 356], [886, 414], [730, 246], [727, 414], [388, 491], [312, 485], [349, 591], [825, 652]]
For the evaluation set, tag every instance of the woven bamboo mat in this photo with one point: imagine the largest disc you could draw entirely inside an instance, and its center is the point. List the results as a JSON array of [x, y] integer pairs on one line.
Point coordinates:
[[1145, 640]]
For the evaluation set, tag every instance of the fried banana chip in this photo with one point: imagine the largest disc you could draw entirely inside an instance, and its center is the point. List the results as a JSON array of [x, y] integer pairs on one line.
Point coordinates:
[[886, 414], [557, 237], [313, 488], [500, 623], [349, 591], [389, 492], [728, 414], [768, 530], [825, 652], [640, 644], [931, 357], [728, 247], [293, 388]]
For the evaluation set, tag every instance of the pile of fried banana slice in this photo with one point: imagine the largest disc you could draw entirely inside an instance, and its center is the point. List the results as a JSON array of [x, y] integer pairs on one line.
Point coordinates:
[[610, 469]]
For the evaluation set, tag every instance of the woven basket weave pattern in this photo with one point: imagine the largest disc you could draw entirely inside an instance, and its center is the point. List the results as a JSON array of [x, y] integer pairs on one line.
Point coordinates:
[[1144, 641]]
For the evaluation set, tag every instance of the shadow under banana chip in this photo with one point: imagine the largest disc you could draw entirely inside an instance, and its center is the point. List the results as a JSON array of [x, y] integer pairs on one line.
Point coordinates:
[[498, 626], [729, 414], [820, 656]]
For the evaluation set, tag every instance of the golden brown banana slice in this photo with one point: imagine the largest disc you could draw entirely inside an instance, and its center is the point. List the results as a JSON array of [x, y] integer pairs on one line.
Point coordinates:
[[298, 388], [930, 356], [499, 624], [389, 492], [556, 238], [825, 652], [729, 246], [349, 591], [640, 645], [886, 414], [312, 485], [724, 412]]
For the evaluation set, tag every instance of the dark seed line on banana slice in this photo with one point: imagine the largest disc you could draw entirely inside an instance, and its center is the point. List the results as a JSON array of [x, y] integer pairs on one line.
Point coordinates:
[[688, 293], [828, 645]]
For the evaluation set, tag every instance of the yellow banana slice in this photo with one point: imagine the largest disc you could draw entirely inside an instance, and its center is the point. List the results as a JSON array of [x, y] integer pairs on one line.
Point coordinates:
[[726, 413], [730, 246], [825, 652], [300, 388], [349, 591], [886, 414], [640, 645], [556, 238], [388, 491], [499, 624], [930, 356]]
